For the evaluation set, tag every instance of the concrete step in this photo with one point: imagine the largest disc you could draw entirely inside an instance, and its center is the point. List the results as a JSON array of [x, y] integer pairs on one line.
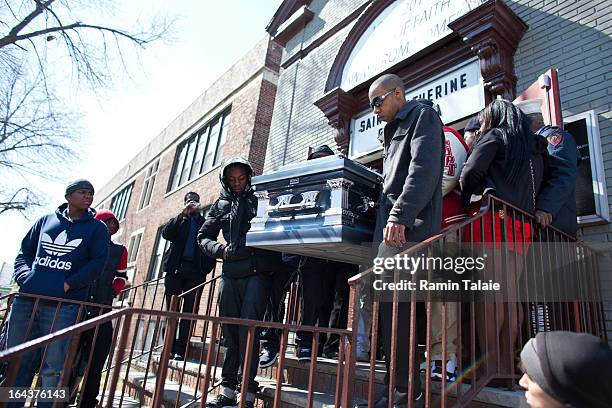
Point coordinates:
[[143, 389]]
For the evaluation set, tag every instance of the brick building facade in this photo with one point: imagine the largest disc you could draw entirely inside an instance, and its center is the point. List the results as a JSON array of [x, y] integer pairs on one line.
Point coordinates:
[[232, 117], [513, 42]]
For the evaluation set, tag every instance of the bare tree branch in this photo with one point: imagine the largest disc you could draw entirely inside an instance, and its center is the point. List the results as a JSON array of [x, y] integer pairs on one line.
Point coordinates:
[[37, 133], [21, 200]]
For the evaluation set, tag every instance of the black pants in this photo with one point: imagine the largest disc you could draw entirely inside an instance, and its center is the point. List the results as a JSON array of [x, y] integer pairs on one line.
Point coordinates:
[[187, 278], [385, 318], [101, 350], [403, 345], [324, 299], [338, 317], [244, 298], [275, 309]]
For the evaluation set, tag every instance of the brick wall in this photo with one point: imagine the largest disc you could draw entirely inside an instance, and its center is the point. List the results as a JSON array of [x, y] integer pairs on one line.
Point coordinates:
[[572, 36]]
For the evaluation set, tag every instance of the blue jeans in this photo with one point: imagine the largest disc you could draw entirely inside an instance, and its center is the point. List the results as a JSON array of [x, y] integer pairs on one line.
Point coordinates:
[[22, 311]]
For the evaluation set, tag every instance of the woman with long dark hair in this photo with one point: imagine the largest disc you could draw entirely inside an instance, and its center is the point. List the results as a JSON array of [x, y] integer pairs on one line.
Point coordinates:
[[507, 161]]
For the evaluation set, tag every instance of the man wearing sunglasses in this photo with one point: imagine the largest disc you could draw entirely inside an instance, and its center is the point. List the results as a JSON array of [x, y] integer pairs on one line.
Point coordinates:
[[410, 208]]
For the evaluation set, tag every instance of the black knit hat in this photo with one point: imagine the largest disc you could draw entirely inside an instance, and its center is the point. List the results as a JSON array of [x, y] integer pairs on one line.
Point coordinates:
[[77, 185], [472, 125], [573, 368], [323, 149]]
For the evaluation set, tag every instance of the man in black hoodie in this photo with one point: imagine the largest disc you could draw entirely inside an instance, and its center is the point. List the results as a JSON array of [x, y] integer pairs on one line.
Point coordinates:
[[185, 265], [245, 276]]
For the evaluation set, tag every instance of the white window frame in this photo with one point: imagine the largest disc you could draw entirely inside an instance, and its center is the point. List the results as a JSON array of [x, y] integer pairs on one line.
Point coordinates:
[[122, 200], [156, 264], [148, 185], [131, 242], [600, 192]]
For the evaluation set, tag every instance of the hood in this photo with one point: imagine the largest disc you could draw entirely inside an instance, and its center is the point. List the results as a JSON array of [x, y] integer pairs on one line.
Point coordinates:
[[225, 189], [105, 215], [89, 214]]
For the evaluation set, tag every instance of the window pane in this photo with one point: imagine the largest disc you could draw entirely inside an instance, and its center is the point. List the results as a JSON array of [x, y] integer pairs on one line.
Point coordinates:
[[120, 202], [188, 161], [224, 129], [195, 168], [179, 166], [204, 138], [134, 247], [211, 148], [143, 197], [149, 190], [126, 200], [160, 249]]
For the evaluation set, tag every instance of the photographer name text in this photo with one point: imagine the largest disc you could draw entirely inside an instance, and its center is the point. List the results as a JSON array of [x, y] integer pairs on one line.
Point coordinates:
[[425, 285]]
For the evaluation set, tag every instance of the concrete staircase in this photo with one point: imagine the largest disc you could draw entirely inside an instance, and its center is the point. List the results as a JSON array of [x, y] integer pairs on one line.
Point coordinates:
[[295, 383]]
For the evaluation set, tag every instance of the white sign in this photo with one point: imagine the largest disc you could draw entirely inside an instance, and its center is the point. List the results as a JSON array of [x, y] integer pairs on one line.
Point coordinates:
[[458, 93], [401, 30]]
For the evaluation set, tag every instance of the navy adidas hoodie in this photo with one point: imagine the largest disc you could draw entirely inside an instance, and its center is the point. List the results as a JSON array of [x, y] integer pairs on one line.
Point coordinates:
[[58, 250]]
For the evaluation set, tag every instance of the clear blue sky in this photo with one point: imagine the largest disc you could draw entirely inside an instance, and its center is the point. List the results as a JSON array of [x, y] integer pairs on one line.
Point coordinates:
[[210, 36]]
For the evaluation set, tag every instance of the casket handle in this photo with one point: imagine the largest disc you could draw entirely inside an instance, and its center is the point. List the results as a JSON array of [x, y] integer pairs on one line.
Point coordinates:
[[309, 201]]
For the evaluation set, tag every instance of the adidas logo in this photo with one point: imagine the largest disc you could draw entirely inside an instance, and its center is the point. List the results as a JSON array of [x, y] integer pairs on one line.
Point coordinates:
[[59, 247]]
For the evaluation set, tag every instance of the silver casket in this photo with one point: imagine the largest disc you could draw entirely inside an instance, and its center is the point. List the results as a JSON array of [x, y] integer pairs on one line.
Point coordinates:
[[322, 208]]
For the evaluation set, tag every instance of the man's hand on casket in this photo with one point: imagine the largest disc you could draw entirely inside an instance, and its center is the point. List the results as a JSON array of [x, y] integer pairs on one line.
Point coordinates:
[[395, 234]]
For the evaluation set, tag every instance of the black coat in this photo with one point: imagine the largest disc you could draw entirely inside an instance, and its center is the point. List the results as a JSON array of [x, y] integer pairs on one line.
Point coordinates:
[[177, 232], [485, 170], [413, 162], [231, 214], [558, 194]]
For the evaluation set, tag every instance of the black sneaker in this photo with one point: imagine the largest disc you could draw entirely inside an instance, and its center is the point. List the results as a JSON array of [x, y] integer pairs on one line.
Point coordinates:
[[221, 401], [303, 354], [177, 357], [267, 358]]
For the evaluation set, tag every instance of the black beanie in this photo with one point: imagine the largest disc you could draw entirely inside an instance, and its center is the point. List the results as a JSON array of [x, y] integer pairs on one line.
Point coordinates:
[[574, 368], [77, 185], [323, 149], [472, 125]]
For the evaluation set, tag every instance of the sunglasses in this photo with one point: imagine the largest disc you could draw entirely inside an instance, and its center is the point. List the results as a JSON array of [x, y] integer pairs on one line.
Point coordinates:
[[378, 101]]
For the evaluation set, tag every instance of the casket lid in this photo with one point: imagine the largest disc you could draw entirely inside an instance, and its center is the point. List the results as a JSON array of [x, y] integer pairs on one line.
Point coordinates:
[[317, 166]]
